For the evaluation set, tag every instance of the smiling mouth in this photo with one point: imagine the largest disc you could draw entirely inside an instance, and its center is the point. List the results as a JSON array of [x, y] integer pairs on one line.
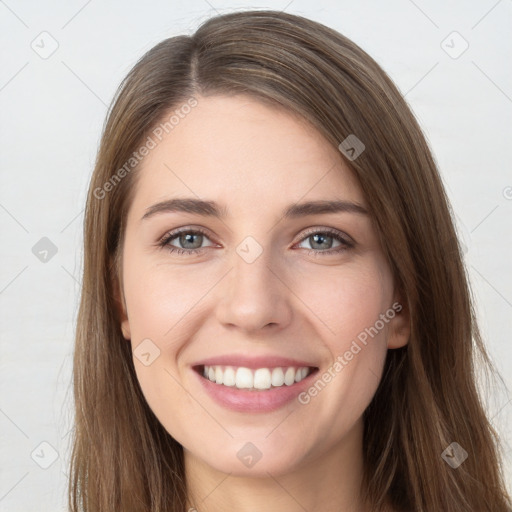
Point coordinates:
[[259, 379]]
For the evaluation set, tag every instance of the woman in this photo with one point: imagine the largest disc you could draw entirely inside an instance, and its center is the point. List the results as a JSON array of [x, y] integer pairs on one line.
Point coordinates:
[[313, 348]]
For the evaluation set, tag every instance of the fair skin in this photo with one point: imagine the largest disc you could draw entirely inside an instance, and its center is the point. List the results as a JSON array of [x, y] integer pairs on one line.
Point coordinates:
[[256, 161]]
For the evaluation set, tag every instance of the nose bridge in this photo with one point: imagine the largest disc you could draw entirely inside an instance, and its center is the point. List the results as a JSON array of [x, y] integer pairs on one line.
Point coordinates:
[[254, 294]]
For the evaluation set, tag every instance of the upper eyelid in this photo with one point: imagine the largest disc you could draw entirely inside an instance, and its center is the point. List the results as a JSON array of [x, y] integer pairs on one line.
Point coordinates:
[[332, 231], [171, 235]]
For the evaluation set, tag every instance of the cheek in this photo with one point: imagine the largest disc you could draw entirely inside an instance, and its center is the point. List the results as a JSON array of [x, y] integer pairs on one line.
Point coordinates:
[[160, 300], [162, 304], [350, 304], [346, 301]]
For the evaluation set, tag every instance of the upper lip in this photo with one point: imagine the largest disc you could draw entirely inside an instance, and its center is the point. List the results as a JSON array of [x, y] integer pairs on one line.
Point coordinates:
[[254, 362]]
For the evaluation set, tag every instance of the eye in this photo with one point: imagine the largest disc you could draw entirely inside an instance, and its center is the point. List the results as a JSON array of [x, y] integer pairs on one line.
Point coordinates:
[[189, 240], [322, 241]]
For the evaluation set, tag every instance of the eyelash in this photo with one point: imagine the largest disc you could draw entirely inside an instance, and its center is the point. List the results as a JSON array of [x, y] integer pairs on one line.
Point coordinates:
[[345, 244]]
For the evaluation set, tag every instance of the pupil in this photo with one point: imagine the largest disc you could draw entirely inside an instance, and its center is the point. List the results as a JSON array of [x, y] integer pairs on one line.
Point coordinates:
[[320, 237], [188, 238]]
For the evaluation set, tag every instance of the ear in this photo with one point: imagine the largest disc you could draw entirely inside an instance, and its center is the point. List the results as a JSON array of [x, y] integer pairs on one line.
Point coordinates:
[[121, 311], [400, 324]]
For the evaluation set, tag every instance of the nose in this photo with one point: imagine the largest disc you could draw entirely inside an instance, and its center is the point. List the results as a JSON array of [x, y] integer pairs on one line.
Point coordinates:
[[254, 296]]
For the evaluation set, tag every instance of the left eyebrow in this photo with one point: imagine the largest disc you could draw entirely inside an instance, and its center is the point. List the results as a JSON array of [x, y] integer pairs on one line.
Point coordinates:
[[212, 209], [319, 207]]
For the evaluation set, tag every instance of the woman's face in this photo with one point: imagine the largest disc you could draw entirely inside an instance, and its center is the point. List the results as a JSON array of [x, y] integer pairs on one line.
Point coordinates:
[[249, 291]]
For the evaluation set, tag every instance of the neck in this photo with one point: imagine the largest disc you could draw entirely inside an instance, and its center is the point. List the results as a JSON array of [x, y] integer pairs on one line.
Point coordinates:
[[330, 481]]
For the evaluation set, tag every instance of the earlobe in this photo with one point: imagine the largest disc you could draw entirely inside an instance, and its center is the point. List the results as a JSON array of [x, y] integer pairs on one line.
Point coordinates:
[[121, 310], [400, 325], [125, 328]]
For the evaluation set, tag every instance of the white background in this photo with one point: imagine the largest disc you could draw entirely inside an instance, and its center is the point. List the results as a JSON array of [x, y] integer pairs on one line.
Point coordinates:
[[52, 114]]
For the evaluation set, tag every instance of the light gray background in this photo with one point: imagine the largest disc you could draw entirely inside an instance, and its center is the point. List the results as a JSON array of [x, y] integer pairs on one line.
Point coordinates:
[[52, 114]]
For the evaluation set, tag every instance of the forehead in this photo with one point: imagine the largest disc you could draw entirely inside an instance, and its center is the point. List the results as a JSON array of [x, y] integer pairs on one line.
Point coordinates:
[[245, 154]]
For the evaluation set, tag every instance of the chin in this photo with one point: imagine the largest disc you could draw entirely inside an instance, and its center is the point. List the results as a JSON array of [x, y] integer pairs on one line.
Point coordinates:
[[274, 466]]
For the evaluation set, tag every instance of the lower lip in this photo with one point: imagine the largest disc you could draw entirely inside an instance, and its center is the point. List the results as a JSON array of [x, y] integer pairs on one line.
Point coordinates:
[[253, 401]]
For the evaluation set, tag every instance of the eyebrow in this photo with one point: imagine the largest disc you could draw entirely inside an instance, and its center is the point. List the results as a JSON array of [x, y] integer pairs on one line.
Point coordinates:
[[212, 209]]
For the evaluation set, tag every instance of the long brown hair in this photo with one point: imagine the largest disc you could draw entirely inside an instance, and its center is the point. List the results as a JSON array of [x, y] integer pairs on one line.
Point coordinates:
[[122, 458]]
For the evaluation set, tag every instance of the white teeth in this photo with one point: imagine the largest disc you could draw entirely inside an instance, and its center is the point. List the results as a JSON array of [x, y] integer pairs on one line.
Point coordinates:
[[289, 376], [277, 377], [261, 378], [229, 377], [244, 378]]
